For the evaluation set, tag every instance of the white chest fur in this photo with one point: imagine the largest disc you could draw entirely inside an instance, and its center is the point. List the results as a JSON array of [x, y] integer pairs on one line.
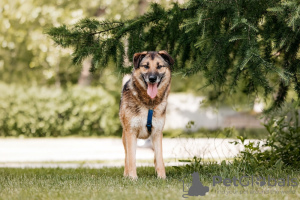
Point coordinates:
[[138, 124]]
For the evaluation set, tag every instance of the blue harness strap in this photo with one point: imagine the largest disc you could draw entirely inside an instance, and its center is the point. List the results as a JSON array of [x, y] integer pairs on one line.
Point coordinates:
[[149, 120]]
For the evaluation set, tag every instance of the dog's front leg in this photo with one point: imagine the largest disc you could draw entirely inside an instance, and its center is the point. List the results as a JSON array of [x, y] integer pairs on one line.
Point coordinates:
[[126, 160], [158, 158], [130, 141]]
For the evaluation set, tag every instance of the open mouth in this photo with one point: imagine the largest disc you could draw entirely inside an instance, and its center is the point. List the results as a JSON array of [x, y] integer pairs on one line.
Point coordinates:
[[152, 88]]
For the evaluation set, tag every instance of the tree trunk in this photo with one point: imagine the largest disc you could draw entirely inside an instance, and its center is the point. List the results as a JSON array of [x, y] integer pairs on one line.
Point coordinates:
[[85, 75], [142, 5]]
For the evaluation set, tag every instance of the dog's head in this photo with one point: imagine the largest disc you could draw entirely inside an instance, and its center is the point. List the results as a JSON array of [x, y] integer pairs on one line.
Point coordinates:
[[153, 70]]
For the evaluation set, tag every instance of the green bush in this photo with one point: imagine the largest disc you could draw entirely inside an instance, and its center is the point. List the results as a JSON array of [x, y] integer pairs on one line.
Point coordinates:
[[284, 135], [43, 111], [282, 144], [278, 155]]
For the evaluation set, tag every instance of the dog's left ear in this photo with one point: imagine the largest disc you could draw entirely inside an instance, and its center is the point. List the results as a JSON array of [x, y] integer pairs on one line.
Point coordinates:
[[166, 57], [137, 58]]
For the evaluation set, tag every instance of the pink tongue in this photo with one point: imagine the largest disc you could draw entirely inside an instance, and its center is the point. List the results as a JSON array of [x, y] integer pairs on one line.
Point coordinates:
[[152, 90]]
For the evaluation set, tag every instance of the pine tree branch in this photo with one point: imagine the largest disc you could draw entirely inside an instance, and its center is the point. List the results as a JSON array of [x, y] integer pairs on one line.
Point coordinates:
[[224, 41], [107, 30]]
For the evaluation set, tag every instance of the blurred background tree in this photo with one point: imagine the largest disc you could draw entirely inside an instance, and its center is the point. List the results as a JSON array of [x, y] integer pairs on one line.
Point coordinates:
[[27, 55]]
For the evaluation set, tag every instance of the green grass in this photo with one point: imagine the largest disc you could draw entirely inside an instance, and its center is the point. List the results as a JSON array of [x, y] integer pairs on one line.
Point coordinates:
[[253, 133], [109, 183]]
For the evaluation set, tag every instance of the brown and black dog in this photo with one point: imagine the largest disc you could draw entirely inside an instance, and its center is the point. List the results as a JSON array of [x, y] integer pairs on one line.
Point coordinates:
[[147, 89]]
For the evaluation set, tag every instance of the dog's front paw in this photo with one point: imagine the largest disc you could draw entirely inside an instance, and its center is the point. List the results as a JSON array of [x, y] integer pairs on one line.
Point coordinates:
[[161, 176], [125, 174], [133, 177], [161, 173]]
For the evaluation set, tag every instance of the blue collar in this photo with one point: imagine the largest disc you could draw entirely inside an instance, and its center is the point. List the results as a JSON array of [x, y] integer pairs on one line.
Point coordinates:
[[149, 120]]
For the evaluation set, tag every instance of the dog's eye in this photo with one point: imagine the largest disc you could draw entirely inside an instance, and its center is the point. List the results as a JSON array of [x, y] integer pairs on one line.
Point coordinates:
[[145, 66], [159, 66]]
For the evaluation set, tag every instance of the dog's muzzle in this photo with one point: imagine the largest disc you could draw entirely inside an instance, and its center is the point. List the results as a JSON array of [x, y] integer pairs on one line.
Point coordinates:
[[152, 78]]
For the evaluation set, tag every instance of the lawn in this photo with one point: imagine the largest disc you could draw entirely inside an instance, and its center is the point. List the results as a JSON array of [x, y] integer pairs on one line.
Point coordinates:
[[108, 183], [250, 133]]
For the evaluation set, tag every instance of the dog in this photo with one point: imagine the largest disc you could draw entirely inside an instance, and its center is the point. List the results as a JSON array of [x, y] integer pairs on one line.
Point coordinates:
[[143, 107]]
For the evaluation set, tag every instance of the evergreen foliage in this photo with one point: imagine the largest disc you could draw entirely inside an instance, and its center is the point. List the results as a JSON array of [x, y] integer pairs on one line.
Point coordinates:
[[234, 43]]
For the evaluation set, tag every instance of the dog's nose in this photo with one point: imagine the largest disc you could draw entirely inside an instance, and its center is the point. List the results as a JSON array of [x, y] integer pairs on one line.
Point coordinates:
[[152, 78]]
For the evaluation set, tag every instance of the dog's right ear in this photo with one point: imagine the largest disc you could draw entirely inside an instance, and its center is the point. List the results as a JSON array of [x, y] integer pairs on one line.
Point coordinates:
[[166, 57], [137, 58]]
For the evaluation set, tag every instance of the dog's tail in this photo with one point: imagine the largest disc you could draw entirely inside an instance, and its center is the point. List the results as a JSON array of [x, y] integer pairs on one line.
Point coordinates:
[[125, 79]]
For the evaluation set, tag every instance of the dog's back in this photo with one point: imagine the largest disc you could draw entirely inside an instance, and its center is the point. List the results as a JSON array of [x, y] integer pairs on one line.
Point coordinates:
[[125, 79]]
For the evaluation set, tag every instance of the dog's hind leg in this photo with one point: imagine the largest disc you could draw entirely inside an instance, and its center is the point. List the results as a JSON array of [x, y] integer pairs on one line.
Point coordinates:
[[130, 143], [126, 161], [158, 158]]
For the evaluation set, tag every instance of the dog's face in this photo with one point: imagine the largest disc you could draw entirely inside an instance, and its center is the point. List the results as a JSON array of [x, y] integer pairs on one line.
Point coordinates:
[[153, 70]]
